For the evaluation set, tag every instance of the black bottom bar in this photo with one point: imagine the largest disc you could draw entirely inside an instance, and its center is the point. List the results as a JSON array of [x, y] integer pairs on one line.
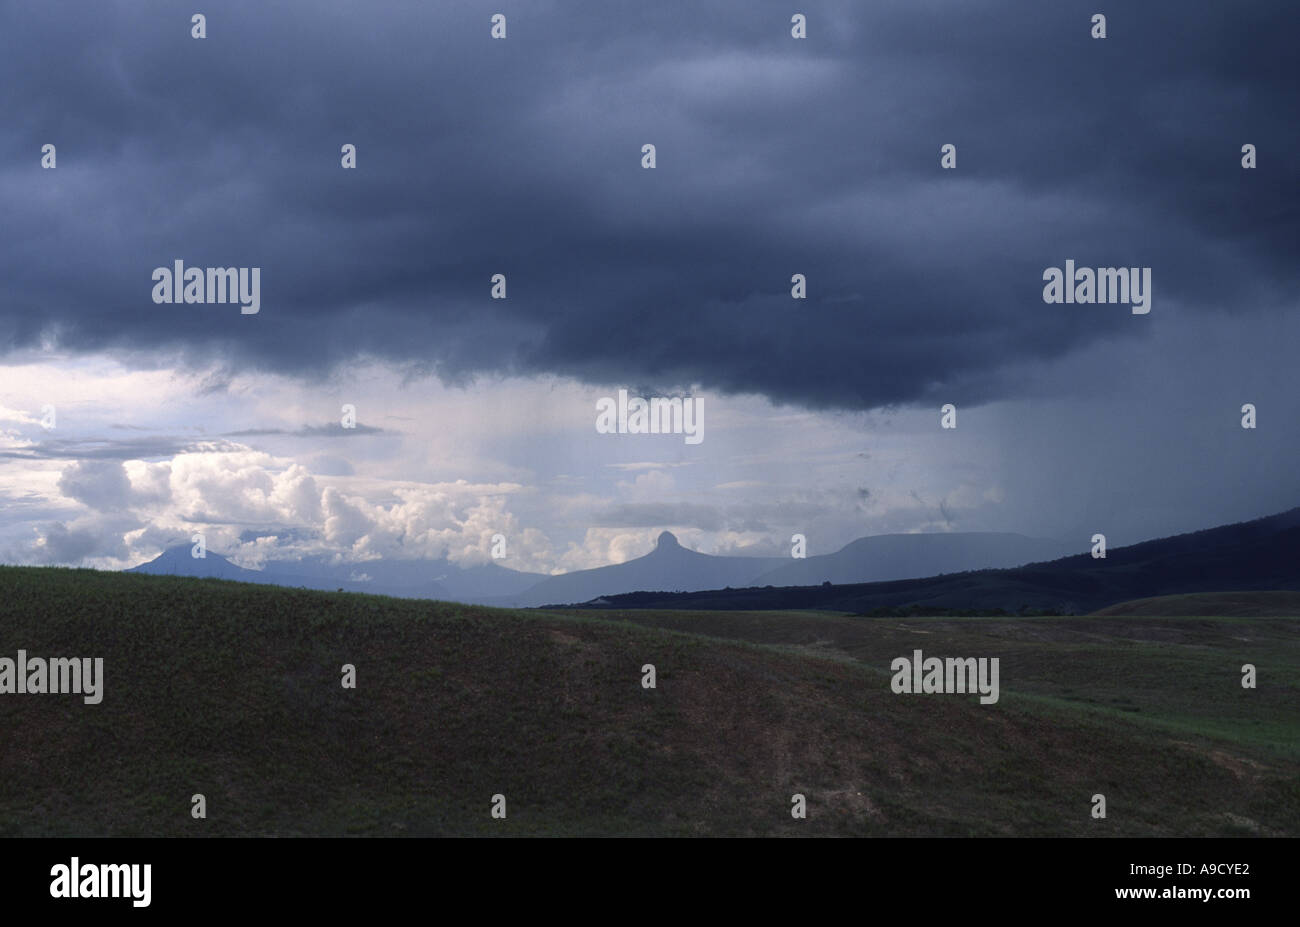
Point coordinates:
[[649, 878]]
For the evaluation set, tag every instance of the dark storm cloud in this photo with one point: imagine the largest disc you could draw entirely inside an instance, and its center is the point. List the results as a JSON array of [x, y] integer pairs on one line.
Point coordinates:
[[521, 157]]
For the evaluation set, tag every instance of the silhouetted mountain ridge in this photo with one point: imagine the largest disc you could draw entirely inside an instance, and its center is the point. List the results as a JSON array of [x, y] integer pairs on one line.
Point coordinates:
[[886, 557], [1263, 554], [1256, 555], [669, 567]]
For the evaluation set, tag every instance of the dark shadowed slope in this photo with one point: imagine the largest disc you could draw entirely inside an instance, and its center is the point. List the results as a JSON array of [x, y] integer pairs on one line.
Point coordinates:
[[1249, 556], [887, 557]]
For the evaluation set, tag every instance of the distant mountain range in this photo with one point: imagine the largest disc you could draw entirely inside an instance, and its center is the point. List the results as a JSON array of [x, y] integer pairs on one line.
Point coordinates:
[[668, 568], [909, 556], [1263, 554], [408, 579]]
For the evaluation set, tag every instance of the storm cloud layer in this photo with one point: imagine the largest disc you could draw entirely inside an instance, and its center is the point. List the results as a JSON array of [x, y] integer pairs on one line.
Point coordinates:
[[523, 157]]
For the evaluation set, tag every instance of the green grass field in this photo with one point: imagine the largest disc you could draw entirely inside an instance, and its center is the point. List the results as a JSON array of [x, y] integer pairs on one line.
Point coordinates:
[[233, 691]]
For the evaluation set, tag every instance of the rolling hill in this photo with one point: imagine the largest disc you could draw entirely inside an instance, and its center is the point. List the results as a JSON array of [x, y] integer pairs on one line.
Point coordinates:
[[1199, 604], [232, 691]]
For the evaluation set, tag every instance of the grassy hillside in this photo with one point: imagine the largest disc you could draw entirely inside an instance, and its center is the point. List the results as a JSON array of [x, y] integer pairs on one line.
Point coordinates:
[[1227, 604], [1176, 676], [233, 691]]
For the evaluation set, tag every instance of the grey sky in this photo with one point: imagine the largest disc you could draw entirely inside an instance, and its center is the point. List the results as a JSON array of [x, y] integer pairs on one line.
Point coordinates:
[[775, 156]]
